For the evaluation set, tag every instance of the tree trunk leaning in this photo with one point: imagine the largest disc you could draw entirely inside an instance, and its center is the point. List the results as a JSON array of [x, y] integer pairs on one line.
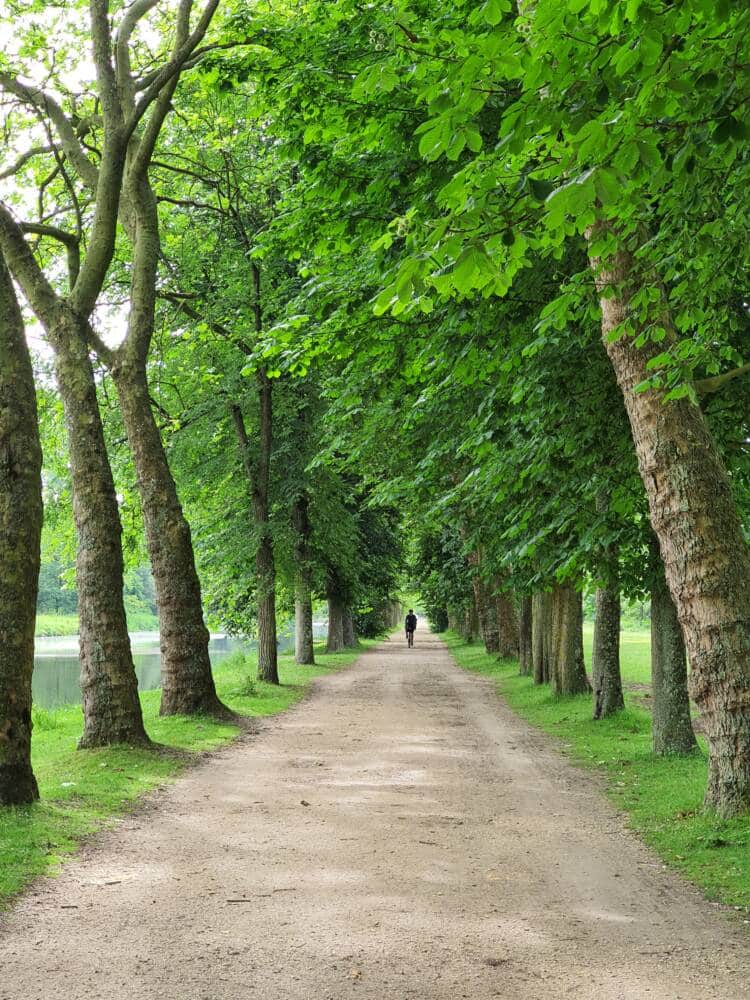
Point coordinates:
[[567, 670], [672, 728], [695, 519], [187, 682], [109, 689], [605, 660], [20, 536]]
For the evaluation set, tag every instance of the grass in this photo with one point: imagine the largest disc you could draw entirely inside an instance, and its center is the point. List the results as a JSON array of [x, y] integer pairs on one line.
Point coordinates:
[[83, 791], [51, 624], [635, 654], [662, 797]]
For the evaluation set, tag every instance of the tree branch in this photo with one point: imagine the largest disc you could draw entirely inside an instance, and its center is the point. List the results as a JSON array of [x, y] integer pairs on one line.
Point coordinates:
[[39, 293], [38, 99], [706, 386]]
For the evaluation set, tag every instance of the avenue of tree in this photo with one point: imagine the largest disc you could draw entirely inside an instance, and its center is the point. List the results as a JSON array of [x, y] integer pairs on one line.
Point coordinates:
[[323, 289]]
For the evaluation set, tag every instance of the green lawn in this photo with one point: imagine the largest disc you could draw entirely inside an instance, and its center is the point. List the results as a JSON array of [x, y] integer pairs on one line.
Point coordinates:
[[49, 624], [635, 654], [82, 791], [661, 796]]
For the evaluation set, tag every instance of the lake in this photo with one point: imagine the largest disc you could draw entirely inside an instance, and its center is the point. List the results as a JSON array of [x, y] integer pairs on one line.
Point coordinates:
[[56, 667]]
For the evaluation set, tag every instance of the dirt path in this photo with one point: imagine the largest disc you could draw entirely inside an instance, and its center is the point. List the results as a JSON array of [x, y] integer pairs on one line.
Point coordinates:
[[398, 835]]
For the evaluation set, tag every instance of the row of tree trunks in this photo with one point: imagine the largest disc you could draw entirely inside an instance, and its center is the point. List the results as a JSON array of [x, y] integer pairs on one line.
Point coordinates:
[[693, 514], [525, 655], [20, 535], [484, 604], [605, 659]]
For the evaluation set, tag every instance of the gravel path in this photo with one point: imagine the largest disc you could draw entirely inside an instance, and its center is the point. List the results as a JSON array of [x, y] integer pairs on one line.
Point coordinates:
[[398, 835]]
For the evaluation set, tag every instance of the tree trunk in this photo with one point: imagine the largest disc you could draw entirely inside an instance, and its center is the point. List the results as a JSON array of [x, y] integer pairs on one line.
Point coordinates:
[[348, 630], [525, 657], [507, 626], [303, 623], [605, 660], [258, 475], [672, 728], [111, 707], [693, 514], [541, 638], [186, 678], [20, 535], [567, 670], [485, 605], [335, 622]]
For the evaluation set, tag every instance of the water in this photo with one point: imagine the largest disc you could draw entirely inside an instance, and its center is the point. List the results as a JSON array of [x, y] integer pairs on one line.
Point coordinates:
[[56, 670]]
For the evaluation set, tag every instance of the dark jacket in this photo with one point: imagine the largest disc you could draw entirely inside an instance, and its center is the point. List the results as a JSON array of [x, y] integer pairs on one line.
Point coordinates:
[[411, 623]]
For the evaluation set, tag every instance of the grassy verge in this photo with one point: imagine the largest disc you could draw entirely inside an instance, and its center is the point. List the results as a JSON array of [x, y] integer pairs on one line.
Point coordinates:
[[82, 791], [51, 625], [661, 796]]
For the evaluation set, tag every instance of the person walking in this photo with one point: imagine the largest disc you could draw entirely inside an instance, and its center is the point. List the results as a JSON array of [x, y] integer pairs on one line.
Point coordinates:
[[410, 624]]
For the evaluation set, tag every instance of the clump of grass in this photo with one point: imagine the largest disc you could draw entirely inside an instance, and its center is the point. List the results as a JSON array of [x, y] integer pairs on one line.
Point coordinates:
[[662, 796]]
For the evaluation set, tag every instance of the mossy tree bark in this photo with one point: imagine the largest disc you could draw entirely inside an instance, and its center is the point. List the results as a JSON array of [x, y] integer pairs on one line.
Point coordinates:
[[695, 519], [20, 536], [111, 707], [567, 670], [605, 660], [525, 657], [672, 728]]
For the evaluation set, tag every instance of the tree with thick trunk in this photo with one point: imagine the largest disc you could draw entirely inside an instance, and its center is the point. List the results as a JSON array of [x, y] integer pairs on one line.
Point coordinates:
[[303, 621], [20, 536], [605, 659], [567, 669], [672, 728], [525, 657], [695, 519]]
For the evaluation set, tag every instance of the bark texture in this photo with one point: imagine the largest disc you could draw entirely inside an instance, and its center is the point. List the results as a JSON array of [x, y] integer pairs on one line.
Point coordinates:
[[567, 670], [187, 682], [541, 636], [485, 605], [20, 535], [605, 660], [348, 629], [303, 620], [507, 626], [335, 621], [702, 545], [111, 708], [525, 657], [672, 728]]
